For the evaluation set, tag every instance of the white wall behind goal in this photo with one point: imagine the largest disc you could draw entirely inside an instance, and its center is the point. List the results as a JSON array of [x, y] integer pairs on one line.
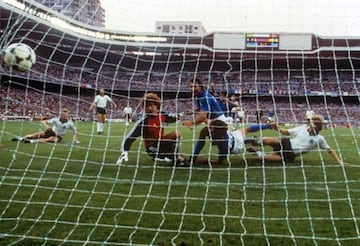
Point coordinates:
[[290, 41], [231, 41]]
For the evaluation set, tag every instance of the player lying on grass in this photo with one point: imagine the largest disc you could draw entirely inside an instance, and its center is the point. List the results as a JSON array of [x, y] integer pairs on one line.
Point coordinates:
[[150, 127], [304, 139], [229, 142], [52, 134]]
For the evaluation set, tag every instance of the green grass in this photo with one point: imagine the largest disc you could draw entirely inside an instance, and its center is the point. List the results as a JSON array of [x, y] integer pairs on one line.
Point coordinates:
[[75, 194]]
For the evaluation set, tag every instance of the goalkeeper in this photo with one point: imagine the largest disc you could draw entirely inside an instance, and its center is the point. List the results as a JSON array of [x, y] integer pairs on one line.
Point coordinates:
[[151, 128]]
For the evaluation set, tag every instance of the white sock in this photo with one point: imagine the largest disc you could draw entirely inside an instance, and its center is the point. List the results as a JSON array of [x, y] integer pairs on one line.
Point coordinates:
[[260, 154], [178, 149], [34, 140]]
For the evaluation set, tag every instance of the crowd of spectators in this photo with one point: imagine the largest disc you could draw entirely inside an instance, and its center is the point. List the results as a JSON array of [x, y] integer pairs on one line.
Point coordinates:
[[247, 81], [38, 104], [266, 89]]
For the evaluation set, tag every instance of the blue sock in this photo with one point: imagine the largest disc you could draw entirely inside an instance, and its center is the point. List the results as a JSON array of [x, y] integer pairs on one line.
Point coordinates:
[[198, 147], [255, 128]]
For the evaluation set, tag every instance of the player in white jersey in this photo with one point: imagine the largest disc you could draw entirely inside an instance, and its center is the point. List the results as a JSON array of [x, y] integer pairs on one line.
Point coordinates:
[[309, 114], [127, 114], [241, 115], [53, 134], [101, 102], [305, 138]]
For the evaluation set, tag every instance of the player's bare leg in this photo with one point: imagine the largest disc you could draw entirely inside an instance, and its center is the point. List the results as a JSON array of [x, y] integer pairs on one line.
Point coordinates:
[[100, 124], [52, 139], [36, 135]]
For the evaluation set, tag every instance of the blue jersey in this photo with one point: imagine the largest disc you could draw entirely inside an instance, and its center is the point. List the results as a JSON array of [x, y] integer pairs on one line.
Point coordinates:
[[225, 107], [208, 103]]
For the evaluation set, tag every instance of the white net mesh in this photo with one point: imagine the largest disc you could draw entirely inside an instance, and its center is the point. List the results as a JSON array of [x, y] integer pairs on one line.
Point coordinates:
[[68, 193]]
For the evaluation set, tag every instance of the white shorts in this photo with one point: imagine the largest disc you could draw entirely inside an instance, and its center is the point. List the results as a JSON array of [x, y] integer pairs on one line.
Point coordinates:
[[221, 117], [239, 146], [127, 111], [229, 120]]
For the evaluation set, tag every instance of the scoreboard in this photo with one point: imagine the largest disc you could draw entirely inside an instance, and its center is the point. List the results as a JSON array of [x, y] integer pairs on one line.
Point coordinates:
[[262, 40]]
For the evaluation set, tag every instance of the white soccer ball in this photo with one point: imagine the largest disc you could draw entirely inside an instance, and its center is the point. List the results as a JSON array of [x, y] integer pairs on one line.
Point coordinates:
[[19, 56]]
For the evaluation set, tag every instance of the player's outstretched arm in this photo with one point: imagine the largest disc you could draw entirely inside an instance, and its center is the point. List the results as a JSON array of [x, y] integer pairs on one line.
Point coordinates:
[[75, 138], [336, 157], [202, 117], [45, 124], [91, 106], [283, 131]]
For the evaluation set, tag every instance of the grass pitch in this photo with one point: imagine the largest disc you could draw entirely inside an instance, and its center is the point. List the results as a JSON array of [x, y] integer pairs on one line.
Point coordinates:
[[76, 194]]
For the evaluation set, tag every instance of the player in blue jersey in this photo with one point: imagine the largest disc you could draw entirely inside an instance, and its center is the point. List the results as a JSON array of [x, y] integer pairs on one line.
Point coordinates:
[[208, 110]]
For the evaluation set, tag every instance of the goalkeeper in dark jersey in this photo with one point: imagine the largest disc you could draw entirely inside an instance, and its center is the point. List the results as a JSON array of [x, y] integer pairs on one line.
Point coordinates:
[[150, 127]]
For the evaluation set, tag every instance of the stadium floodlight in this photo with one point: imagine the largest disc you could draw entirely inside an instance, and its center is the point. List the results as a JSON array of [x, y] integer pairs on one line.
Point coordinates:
[[15, 3], [60, 23]]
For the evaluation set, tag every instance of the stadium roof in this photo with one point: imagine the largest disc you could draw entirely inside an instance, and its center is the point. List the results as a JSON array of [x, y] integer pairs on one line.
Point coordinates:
[[32, 23]]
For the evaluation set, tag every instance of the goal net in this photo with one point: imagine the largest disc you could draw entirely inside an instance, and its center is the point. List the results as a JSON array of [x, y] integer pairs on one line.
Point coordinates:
[[75, 193]]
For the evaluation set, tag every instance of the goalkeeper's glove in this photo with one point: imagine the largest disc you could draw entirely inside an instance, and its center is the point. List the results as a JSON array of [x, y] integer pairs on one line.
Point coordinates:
[[122, 157]]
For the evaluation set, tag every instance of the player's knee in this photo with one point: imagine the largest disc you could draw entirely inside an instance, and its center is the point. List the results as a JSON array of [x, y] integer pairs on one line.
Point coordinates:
[[270, 141], [178, 134], [204, 133], [52, 139], [245, 130], [272, 158]]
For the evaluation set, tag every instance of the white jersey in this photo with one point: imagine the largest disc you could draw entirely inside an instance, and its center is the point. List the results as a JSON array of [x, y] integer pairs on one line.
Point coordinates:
[[61, 128], [238, 144], [128, 110], [309, 114], [101, 101], [303, 142], [229, 120], [241, 114]]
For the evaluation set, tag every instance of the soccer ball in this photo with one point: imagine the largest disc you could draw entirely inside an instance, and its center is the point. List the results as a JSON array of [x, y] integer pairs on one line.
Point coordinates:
[[19, 56]]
